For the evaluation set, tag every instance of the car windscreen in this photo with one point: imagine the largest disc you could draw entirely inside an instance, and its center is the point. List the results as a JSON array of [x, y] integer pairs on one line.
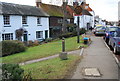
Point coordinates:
[[112, 29], [100, 28]]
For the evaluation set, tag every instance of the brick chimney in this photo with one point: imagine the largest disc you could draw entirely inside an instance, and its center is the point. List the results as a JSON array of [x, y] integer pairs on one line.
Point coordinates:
[[38, 2]]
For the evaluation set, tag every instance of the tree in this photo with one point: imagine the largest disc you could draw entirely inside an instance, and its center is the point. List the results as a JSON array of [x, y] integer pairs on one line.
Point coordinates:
[[19, 33]]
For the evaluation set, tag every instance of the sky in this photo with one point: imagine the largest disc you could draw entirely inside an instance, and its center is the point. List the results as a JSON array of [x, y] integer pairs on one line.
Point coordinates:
[[106, 9]]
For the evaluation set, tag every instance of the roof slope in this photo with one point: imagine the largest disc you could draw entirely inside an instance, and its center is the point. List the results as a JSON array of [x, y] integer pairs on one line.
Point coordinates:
[[52, 10], [16, 9], [57, 11]]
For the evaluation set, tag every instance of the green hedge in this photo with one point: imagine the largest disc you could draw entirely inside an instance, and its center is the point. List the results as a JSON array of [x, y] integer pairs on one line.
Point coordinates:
[[12, 72], [71, 34], [12, 46]]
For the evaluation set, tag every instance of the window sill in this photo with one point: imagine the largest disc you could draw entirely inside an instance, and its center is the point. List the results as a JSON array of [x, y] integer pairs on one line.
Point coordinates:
[[7, 25], [25, 25], [40, 39], [39, 25]]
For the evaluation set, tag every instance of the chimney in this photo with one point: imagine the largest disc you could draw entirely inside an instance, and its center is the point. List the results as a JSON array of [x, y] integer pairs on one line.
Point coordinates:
[[38, 2]]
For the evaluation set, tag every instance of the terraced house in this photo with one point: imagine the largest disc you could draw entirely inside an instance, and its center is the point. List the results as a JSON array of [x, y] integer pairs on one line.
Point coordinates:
[[34, 21], [56, 17]]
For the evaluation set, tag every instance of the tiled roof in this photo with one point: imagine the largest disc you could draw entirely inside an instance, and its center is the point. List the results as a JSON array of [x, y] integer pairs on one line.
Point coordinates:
[[89, 9], [52, 10], [57, 11], [16, 9]]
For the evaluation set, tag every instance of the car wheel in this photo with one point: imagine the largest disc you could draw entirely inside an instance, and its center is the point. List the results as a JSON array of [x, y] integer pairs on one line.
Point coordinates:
[[106, 40], [109, 43], [115, 50]]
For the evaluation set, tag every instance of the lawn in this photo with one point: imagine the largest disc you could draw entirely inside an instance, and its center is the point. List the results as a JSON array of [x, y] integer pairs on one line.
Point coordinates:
[[52, 69], [41, 51]]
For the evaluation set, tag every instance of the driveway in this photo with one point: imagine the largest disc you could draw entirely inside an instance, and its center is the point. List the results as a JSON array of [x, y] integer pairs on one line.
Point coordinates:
[[98, 56]]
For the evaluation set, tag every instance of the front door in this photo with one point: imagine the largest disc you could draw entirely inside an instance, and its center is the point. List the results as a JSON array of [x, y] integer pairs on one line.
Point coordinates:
[[88, 26], [25, 36], [46, 34]]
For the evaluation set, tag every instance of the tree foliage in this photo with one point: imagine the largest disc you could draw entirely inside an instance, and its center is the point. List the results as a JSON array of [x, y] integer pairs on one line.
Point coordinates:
[[19, 33]]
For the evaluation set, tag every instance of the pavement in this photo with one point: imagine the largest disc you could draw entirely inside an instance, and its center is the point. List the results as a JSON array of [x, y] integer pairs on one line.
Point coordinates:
[[50, 57], [97, 60]]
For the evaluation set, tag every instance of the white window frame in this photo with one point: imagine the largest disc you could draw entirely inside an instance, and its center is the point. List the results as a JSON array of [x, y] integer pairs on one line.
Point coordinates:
[[38, 20], [7, 36], [6, 19], [24, 20], [39, 34], [60, 20]]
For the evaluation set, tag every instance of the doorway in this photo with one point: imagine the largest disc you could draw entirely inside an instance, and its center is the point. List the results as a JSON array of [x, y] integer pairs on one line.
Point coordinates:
[[25, 36]]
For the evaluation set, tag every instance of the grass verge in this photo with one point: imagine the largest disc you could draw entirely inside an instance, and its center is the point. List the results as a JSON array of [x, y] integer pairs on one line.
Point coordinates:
[[44, 50], [52, 69]]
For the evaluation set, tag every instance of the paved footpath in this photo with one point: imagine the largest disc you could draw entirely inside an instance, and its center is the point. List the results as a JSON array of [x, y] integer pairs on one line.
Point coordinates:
[[49, 57], [97, 55]]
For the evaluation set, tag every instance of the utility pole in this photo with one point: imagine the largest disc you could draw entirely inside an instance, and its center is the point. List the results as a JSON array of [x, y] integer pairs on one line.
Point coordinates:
[[64, 16], [78, 11]]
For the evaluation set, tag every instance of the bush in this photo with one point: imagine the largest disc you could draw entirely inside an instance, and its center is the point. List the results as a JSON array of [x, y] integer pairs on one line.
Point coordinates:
[[67, 35], [74, 33], [48, 40], [36, 43], [12, 72], [82, 31], [30, 43], [12, 46]]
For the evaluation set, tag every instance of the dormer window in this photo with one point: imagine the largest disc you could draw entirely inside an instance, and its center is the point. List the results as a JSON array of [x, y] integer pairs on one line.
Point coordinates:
[[6, 19], [24, 19]]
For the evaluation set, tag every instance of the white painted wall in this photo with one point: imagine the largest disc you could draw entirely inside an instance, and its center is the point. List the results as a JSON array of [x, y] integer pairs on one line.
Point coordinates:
[[84, 19], [1, 20], [32, 27]]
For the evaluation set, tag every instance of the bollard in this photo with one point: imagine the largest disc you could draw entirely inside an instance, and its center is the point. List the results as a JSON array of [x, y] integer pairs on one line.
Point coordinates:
[[63, 55], [63, 44]]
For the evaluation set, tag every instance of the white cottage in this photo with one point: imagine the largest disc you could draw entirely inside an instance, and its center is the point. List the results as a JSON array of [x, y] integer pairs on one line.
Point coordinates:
[[33, 20], [86, 18]]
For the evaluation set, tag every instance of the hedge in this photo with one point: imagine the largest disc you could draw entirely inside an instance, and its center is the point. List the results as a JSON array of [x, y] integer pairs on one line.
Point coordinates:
[[74, 33], [10, 47], [12, 72]]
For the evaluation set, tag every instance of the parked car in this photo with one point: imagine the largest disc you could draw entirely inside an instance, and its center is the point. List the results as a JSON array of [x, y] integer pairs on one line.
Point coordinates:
[[108, 32], [114, 41], [99, 30]]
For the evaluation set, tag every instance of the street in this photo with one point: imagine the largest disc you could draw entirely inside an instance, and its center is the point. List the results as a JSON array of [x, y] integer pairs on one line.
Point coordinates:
[[97, 56]]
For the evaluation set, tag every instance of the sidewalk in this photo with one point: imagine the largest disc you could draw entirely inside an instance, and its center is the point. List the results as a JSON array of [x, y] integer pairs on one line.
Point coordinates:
[[97, 56], [50, 57]]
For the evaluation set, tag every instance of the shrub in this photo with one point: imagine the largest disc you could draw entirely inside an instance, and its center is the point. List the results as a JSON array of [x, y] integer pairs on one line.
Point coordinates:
[[36, 43], [66, 35], [48, 40], [74, 33], [12, 46], [82, 31], [11, 72], [30, 43]]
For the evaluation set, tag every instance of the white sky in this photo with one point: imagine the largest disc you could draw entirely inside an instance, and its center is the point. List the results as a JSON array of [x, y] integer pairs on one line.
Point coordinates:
[[106, 9]]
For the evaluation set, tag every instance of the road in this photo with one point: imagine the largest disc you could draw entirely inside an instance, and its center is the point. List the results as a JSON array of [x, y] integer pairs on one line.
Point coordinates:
[[98, 56]]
